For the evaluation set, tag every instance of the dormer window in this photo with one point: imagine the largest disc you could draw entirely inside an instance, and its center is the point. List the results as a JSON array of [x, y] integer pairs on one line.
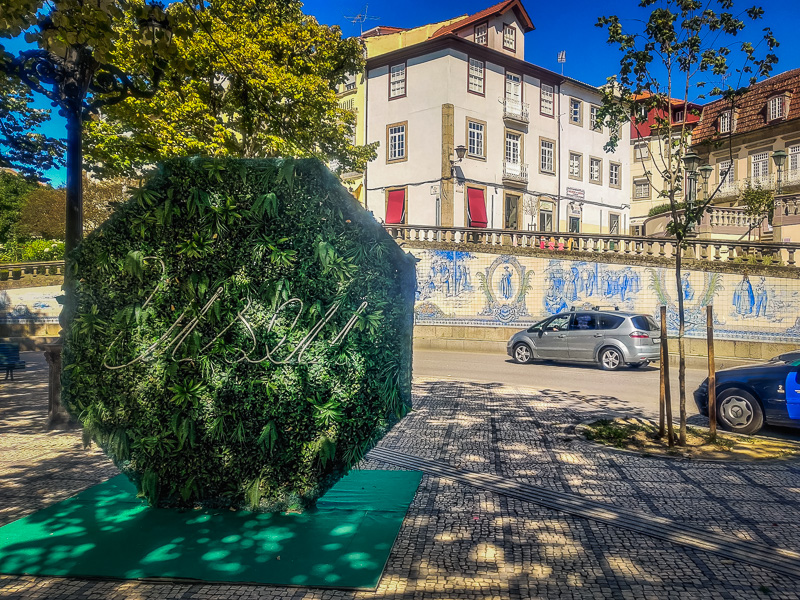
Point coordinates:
[[725, 122], [776, 108], [482, 34], [679, 116], [509, 38]]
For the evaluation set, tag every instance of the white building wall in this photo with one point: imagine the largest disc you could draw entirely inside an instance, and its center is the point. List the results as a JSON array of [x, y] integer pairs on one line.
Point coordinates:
[[441, 78], [599, 200]]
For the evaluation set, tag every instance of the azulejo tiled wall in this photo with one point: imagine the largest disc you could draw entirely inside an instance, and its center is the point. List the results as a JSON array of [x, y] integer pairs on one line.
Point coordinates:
[[491, 290]]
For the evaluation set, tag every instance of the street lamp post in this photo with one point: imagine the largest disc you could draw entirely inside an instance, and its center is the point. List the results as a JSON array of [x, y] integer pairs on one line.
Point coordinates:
[[779, 157], [705, 172], [691, 162]]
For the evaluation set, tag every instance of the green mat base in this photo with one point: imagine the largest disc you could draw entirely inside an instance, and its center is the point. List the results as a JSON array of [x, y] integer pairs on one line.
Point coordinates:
[[107, 532]]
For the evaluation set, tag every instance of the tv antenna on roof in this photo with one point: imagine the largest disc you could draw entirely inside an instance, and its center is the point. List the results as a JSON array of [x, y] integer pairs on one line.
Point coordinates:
[[361, 17], [562, 58]]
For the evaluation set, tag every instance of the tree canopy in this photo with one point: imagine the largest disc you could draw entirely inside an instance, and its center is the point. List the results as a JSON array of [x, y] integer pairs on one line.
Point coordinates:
[[259, 82]]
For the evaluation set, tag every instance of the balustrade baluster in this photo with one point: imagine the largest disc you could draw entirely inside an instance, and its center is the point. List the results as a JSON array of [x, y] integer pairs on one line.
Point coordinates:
[[790, 262]]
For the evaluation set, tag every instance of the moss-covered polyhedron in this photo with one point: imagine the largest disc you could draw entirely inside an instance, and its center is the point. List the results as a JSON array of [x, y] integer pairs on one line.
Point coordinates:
[[175, 363]]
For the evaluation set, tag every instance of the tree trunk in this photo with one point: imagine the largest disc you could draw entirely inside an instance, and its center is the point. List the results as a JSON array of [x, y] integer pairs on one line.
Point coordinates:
[[681, 347]]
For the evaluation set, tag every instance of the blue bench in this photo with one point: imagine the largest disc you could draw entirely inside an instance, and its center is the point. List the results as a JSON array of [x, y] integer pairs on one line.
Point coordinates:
[[9, 359]]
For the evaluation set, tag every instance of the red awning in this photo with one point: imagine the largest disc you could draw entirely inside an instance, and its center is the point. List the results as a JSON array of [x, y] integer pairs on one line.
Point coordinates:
[[477, 208], [396, 206]]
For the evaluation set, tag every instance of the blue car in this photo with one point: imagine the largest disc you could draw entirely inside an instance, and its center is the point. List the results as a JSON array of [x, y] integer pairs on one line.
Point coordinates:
[[748, 397]]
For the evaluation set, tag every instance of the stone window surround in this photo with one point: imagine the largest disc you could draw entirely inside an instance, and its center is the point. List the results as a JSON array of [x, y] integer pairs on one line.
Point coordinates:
[[485, 25], [618, 185], [405, 81], [482, 123], [404, 124], [555, 166], [513, 46], [639, 182], [599, 180], [592, 125], [506, 131], [579, 176], [475, 186], [483, 76], [552, 100], [619, 222], [518, 196], [579, 122], [405, 201]]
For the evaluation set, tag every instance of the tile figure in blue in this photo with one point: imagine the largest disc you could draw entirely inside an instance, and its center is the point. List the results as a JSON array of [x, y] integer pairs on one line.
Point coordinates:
[[743, 297], [506, 288], [686, 286], [761, 297], [505, 284], [449, 275]]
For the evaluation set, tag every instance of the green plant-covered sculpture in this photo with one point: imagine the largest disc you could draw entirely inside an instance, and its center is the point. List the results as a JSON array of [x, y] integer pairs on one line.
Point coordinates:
[[242, 334]]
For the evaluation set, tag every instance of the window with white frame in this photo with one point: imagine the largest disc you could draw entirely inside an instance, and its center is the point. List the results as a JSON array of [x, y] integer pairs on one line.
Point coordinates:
[[509, 37], [482, 34], [593, 124], [595, 170], [546, 102], [641, 189], [641, 151], [396, 142], [475, 141], [397, 81], [793, 171], [575, 165], [776, 108], [759, 167], [575, 111], [679, 115], [725, 122], [547, 152], [725, 175], [513, 148], [614, 174], [475, 76]]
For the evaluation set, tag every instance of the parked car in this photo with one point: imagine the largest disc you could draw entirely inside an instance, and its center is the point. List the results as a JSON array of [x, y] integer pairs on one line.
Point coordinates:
[[749, 396], [609, 338]]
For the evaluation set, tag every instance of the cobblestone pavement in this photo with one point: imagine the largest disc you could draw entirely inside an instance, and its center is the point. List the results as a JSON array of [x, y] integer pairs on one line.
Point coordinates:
[[461, 542]]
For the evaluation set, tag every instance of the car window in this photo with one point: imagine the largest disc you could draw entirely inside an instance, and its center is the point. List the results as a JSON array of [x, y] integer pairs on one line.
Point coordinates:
[[538, 326], [609, 321], [559, 323], [645, 323], [583, 321]]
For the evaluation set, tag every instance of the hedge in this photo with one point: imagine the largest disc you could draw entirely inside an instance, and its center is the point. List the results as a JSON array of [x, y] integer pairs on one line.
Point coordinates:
[[197, 417]]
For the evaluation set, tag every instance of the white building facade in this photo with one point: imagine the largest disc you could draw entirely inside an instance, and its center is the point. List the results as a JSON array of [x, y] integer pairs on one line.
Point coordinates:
[[534, 160]]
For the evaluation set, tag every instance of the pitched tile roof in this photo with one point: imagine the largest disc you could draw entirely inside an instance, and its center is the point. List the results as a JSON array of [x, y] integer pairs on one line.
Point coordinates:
[[382, 30], [497, 9], [751, 108]]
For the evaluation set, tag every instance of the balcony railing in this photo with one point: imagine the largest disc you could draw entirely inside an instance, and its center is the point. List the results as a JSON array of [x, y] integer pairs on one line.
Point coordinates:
[[515, 172], [767, 182], [713, 251], [514, 110]]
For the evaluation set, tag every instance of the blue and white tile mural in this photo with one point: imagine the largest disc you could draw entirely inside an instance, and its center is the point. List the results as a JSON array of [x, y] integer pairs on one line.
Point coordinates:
[[463, 288]]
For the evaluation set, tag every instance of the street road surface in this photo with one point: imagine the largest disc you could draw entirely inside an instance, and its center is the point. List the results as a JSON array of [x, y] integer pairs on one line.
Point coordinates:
[[628, 390]]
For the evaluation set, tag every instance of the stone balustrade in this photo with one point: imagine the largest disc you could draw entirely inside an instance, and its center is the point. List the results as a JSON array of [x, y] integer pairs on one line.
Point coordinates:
[[717, 221], [712, 250]]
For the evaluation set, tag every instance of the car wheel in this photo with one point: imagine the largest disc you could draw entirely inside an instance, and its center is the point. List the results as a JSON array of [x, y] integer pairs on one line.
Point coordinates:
[[739, 411], [644, 363], [610, 359], [522, 354]]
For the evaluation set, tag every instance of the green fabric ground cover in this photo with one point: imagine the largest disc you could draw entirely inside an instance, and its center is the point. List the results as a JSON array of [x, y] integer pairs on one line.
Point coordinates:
[[106, 531]]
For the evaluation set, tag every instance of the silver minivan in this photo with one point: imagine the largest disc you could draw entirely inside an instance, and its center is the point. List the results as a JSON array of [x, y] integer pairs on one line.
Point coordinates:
[[608, 338]]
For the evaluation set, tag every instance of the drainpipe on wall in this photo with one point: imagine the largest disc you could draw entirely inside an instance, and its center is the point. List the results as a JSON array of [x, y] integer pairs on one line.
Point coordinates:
[[366, 132], [558, 154]]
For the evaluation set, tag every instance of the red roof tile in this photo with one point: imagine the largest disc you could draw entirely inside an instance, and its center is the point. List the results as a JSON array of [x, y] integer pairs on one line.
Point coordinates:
[[497, 9], [751, 108], [382, 30]]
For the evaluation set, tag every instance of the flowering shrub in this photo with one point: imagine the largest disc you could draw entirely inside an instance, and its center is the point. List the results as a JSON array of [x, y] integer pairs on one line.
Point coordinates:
[[34, 250]]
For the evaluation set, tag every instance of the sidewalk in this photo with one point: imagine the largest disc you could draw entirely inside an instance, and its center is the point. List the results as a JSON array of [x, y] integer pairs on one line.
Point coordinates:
[[479, 527]]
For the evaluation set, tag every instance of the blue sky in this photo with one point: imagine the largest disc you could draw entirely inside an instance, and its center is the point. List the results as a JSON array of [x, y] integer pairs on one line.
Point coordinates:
[[568, 26]]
